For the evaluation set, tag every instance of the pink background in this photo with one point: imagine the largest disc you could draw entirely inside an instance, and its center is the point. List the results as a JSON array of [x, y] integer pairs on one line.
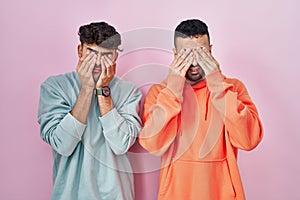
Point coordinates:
[[255, 41]]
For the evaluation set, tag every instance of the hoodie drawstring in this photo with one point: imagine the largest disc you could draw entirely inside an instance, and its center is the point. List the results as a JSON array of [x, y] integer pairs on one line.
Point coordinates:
[[207, 94]]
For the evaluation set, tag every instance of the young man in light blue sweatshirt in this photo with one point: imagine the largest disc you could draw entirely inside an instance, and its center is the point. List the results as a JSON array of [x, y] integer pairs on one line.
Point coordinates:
[[90, 119]]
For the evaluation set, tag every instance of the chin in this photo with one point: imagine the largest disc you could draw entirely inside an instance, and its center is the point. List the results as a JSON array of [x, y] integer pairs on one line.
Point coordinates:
[[96, 77]]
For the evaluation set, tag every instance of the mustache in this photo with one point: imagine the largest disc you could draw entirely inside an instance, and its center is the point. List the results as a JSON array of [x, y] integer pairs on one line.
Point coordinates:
[[195, 66]]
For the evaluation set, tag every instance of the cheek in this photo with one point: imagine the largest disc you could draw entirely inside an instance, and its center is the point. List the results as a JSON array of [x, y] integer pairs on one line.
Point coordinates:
[[84, 51], [113, 57], [195, 62]]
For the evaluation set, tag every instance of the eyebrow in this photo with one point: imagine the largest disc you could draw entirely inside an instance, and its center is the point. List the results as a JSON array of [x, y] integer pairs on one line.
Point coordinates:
[[92, 50], [102, 54], [106, 53]]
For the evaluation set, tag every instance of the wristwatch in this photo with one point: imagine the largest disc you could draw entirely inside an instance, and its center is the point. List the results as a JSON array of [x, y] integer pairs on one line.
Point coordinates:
[[104, 91]]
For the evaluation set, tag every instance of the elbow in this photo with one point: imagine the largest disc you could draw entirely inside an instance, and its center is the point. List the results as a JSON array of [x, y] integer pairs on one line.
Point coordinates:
[[120, 151], [152, 148], [123, 147], [66, 152], [251, 143], [65, 148], [255, 139], [248, 147]]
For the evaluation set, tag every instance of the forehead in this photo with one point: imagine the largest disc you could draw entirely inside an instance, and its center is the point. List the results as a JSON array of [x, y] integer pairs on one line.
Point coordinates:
[[97, 48], [192, 42]]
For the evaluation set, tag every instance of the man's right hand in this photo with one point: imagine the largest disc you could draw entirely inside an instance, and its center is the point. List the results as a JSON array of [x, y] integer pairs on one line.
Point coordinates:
[[85, 68], [182, 61]]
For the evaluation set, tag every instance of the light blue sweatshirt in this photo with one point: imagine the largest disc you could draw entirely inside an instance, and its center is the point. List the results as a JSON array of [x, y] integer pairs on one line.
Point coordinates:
[[90, 161]]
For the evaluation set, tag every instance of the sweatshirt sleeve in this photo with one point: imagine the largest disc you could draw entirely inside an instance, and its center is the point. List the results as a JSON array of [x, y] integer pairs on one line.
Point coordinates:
[[122, 125], [162, 108], [239, 113], [58, 127]]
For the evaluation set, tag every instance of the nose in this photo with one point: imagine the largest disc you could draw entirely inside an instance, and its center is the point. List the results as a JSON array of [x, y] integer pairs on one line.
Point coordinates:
[[98, 60], [194, 61]]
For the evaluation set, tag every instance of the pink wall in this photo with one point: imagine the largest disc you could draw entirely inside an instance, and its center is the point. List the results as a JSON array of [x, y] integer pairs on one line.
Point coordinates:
[[256, 41]]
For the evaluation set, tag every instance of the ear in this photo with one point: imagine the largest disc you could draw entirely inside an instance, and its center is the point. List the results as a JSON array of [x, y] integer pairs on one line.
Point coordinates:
[[174, 51], [117, 55], [79, 50], [210, 48]]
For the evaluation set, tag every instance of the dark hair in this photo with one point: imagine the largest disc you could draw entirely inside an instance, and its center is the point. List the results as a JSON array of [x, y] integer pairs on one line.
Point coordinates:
[[100, 33], [191, 27]]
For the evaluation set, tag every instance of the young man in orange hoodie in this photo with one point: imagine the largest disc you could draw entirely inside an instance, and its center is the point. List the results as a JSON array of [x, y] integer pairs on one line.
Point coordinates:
[[196, 120]]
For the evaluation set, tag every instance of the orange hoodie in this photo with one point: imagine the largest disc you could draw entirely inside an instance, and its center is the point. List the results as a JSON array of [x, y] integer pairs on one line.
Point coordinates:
[[197, 131]]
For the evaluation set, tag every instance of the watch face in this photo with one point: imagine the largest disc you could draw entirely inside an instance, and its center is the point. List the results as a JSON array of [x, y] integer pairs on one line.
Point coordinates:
[[106, 91]]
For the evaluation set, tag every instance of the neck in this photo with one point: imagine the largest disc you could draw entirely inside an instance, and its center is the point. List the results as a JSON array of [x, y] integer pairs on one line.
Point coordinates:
[[194, 82]]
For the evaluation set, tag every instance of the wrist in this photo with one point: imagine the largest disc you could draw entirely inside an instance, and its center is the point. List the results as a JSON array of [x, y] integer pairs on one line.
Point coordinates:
[[103, 91], [87, 89]]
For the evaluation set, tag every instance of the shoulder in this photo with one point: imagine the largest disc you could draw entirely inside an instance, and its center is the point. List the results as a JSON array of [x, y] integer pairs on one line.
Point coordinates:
[[61, 81], [122, 85], [156, 88], [124, 91], [237, 84]]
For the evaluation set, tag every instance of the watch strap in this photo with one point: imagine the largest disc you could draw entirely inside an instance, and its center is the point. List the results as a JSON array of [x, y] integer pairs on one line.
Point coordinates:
[[104, 91]]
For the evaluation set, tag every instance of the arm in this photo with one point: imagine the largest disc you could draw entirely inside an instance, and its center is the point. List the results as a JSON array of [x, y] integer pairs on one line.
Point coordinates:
[[161, 114], [162, 107], [233, 103], [62, 126], [237, 110], [121, 126], [58, 127]]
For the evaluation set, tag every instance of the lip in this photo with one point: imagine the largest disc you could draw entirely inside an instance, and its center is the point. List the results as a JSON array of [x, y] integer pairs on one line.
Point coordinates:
[[194, 70], [97, 69]]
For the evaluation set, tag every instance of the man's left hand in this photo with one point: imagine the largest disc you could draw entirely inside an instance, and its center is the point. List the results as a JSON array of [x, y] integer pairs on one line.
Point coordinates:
[[206, 60], [108, 72]]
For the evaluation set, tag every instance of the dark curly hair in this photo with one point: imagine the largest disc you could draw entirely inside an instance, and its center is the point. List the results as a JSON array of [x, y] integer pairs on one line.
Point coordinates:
[[100, 33], [191, 27]]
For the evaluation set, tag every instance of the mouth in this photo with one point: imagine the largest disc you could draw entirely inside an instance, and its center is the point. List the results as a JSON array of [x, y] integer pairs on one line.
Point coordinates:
[[194, 70], [97, 69]]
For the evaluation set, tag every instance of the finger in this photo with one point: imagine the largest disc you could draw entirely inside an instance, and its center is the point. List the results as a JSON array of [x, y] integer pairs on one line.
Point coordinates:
[[81, 59], [179, 58], [88, 58], [185, 61], [198, 57], [207, 62], [208, 53], [202, 57], [91, 64], [108, 65], [183, 56], [103, 72], [108, 60], [180, 61], [98, 60], [176, 56], [187, 65], [112, 67]]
